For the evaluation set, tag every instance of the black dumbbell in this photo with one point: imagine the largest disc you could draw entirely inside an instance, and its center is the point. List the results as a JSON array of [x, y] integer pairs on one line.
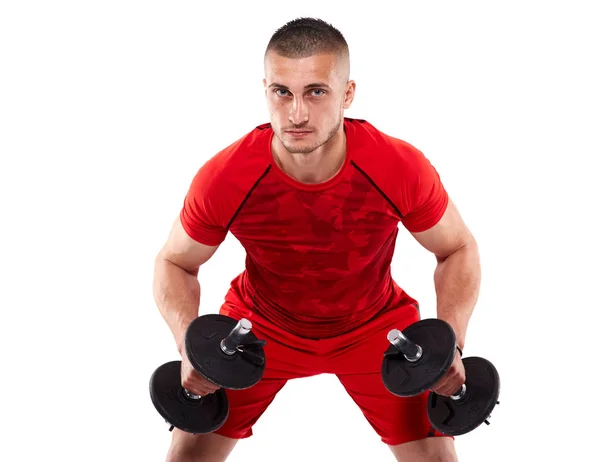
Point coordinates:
[[420, 356], [223, 351]]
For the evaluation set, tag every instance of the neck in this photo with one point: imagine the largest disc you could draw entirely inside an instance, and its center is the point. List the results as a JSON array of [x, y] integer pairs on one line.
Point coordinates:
[[315, 167]]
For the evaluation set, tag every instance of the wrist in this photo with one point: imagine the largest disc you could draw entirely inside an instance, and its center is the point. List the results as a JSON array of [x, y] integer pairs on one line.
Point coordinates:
[[179, 344], [459, 331], [179, 335]]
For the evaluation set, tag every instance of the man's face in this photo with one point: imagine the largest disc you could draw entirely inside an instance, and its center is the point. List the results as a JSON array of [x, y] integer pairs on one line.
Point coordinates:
[[306, 98]]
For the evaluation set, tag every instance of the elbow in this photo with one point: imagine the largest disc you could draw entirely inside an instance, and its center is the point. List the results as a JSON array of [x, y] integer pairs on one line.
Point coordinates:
[[468, 247], [472, 246], [163, 263]]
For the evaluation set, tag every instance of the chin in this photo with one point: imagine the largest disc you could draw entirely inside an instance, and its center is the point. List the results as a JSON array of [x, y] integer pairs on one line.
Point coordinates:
[[298, 146], [301, 146], [300, 149]]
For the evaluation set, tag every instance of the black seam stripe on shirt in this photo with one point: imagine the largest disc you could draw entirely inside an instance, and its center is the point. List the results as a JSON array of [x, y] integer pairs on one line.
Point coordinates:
[[247, 197], [378, 189]]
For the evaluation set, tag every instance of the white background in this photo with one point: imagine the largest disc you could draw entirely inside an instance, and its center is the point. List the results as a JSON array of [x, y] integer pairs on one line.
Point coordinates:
[[107, 109]]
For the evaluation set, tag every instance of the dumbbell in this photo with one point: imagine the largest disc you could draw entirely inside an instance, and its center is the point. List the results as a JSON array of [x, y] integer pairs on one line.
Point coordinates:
[[223, 351], [420, 356]]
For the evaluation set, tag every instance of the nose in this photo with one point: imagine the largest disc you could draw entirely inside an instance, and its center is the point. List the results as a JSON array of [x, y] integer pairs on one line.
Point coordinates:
[[298, 112]]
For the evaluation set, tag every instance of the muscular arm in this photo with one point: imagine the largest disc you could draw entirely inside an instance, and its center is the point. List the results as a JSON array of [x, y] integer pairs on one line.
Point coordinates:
[[458, 274], [176, 288]]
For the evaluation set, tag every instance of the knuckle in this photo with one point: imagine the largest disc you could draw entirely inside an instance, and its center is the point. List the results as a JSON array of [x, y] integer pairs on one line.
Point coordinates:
[[187, 382]]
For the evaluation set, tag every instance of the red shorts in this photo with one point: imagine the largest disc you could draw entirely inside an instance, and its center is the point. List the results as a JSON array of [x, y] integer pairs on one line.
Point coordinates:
[[354, 357]]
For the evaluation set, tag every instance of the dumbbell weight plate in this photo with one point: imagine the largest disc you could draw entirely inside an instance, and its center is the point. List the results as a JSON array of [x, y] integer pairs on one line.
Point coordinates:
[[204, 415], [456, 417], [438, 342], [203, 347]]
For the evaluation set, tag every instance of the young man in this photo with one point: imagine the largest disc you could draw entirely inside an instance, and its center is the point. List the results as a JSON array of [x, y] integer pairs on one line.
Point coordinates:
[[315, 199]]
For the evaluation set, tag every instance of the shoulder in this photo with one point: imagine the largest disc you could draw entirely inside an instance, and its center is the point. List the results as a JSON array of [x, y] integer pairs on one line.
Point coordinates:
[[401, 172], [221, 183], [240, 164], [383, 154], [248, 152]]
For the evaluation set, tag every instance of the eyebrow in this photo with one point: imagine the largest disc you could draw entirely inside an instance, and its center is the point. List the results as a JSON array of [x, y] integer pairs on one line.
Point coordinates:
[[310, 85]]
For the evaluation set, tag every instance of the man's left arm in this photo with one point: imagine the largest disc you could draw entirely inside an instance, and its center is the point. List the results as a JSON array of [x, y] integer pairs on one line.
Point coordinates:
[[457, 280]]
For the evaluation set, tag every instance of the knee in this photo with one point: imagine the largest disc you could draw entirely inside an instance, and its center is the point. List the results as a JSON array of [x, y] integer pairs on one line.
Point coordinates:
[[426, 450], [431, 456], [180, 453], [192, 455], [443, 454], [181, 456], [448, 457], [199, 448]]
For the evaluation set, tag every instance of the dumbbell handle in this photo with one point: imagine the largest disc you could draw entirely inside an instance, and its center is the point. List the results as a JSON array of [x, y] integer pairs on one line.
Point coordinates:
[[460, 393], [230, 343], [190, 395], [413, 352], [229, 346]]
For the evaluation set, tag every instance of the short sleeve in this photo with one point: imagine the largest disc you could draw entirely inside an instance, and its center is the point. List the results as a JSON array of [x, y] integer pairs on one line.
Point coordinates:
[[425, 198], [202, 212]]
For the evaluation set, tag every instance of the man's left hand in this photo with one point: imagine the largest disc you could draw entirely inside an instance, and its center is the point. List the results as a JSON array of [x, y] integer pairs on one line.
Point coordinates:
[[451, 382]]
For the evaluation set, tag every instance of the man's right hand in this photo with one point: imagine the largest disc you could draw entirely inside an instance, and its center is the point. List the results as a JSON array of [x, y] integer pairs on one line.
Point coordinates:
[[192, 381]]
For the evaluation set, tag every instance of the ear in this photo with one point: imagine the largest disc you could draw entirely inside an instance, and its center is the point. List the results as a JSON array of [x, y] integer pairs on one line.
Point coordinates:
[[349, 95]]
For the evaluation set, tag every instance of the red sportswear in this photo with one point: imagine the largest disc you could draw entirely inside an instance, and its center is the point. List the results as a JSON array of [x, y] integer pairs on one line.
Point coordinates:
[[318, 255]]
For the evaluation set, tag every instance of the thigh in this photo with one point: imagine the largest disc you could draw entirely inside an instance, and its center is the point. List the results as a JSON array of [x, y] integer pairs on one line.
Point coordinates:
[[247, 406], [396, 420], [361, 351], [358, 366]]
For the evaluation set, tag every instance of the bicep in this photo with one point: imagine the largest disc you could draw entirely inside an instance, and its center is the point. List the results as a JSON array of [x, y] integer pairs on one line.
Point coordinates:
[[183, 251], [448, 235]]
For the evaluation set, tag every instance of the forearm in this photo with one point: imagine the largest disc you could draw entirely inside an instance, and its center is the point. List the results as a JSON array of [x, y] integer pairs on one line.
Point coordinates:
[[177, 295], [457, 279]]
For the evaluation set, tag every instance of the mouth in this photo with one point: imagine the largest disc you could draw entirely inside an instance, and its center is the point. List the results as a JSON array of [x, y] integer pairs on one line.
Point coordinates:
[[298, 133]]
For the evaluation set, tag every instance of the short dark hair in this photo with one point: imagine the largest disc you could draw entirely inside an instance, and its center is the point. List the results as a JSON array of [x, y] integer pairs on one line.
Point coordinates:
[[305, 37]]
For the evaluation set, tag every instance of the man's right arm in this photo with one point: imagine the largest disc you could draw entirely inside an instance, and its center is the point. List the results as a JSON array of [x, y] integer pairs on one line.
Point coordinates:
[[176, 287]]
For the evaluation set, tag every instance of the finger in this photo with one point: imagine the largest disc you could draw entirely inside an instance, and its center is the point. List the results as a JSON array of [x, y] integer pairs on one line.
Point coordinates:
[[438, 387], [199, 385], [452, 383], [194, 385], [210, 388], [196, 382], [201, 381], [445, 381], [452, 387], [192, 376], [204, 383], [448, 384], [208, 383], [200, 389], [196, 391]]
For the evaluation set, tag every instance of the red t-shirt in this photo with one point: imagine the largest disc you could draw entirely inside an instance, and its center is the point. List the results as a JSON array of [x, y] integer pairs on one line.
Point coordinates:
[[317, 255]]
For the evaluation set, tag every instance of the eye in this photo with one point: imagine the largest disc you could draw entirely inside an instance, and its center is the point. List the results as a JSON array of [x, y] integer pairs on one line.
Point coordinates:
[[318, 92], [283, 92]]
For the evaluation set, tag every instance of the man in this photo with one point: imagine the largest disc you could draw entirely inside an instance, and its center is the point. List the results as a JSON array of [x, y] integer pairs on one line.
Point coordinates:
[[315, 199]]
